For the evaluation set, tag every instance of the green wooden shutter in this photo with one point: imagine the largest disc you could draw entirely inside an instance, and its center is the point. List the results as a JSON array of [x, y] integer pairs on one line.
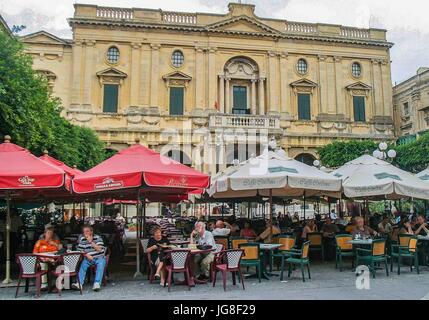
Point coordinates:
[[176, 101], [359, 108], [110, 100], [239, 100], [304, 111]]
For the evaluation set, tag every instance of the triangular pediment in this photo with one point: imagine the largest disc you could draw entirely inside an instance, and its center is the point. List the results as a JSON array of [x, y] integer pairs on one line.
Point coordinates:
[[304, 83], [358, 86], [242, 24], [45, 38], [177, 75], [112, 72]]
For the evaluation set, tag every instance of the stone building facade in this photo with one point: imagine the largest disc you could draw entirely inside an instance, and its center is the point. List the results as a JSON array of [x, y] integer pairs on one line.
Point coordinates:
[[173, 79], [411, 105]]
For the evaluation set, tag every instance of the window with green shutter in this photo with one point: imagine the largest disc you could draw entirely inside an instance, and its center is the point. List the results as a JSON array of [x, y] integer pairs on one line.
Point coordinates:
[[110, 98], [176, 101], [239, 100], [359, 108], [304, 110]]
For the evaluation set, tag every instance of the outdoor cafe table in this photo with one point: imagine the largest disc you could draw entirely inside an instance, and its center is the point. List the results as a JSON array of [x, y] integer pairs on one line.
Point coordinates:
[[178, 242], [268, 248], [191, 264]]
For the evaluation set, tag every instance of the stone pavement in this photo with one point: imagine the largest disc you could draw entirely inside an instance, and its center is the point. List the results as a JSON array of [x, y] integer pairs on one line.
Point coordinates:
[[326, 283]]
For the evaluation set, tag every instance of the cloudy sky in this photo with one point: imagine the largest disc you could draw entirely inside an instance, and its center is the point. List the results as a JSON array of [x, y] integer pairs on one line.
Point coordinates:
[[407, 21]]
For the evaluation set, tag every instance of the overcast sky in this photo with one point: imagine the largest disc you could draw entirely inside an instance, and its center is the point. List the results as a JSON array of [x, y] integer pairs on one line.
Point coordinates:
[[407, 21]]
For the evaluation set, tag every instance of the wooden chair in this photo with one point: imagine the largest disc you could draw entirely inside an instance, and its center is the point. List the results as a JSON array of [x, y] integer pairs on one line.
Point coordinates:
[[343, 248], [235, 242], [407, 248], [316, 243], [299, 258], [29, 268], [179, 263], [371, 257], [70, 263], [252, 257], [232, 259], [223, 241]]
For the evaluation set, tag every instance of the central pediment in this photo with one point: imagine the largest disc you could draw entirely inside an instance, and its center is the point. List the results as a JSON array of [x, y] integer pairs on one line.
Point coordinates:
[[242, 24]]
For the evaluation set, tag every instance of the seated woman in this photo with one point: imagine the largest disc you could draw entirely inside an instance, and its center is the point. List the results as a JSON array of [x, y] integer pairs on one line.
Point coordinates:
[[47, 244], [405, 227], [155, 248], [247, 231], [361, 230], [310, 227]]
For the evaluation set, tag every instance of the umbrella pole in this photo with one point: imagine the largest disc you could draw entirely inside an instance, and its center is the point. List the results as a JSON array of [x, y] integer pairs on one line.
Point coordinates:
[[271, 215], [304, 208], [7, 277], [138, 273]]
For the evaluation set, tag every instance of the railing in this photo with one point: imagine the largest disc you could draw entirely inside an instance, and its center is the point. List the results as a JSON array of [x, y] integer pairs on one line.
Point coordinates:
[[179, 18], [114, 13], [297, 27], [354, 33], [244, 121]]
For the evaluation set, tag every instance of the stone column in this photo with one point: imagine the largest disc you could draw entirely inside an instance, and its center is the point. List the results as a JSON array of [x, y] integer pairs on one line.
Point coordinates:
[[227, 96], [323, 86], [88, 73], [212, 79], [253, 102], [154, 75], [273, 83], [386, 87], [199, 78], [222, 94], [340, 109], [377, 88], [261, 96], [76, 74], [135, 74], [284, 86]]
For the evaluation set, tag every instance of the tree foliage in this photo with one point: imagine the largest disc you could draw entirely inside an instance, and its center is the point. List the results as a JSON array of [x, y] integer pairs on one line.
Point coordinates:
[[414, 156], [32, 116], [338, 153]]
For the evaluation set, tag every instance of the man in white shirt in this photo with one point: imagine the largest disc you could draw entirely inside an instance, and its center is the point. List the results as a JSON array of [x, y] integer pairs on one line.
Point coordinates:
[[205, 238], [333, 215], [222, 229]]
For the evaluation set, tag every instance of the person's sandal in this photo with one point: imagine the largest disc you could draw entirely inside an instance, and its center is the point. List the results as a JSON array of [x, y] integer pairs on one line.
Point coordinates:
[[157, 276]]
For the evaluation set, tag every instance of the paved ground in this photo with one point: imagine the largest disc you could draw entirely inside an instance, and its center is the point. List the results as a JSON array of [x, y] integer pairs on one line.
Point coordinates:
[[326, 283]]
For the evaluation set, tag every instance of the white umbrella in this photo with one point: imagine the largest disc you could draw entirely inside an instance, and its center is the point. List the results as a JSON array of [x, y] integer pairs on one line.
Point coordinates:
[[424, 175], [286, 177], [367, 177]]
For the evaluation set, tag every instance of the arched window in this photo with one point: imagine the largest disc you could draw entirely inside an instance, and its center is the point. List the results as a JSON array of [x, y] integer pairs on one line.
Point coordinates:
[[302, 66], [305, 158], [356, 69], [113, 55], [177, 59]]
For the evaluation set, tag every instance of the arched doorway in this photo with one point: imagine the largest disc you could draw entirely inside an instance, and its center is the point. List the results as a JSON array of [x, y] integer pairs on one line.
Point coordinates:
[[306, 158]]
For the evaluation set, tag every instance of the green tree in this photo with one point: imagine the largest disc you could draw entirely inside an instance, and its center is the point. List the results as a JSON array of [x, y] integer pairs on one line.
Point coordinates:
[[414, 156], [338, 153], [32, 116]]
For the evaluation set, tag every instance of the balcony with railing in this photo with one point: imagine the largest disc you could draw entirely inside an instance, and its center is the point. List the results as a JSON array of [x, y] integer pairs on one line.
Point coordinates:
[[244, 121]]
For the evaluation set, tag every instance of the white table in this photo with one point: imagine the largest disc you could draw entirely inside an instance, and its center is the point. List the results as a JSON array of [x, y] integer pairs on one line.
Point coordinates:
[[361, 241]]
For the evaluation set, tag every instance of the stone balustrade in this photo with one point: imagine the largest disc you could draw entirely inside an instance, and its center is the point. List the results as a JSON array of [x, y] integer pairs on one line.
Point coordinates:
[[179, 18], [114, 13], [348, 32], [244, 121], [298, 27]]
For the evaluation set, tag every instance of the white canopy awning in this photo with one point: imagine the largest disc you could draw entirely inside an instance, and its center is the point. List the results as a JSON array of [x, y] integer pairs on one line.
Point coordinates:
[[424, 175], [367, 176], [274, 171]]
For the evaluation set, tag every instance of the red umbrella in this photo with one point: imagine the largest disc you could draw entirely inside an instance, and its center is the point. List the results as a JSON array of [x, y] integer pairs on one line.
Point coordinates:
[[70, 171], [138, 167], [22, 172]]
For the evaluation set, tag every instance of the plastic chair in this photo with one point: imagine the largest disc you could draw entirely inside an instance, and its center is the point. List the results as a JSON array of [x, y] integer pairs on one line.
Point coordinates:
[[223, 241], [29, 268], [316, 243], [408, 249], [217, 254], [343, 248], [300, 258], [71, 263], [235, 242], [179, 263], [252, 257], [232, 260], [377, 254], [288, 243]]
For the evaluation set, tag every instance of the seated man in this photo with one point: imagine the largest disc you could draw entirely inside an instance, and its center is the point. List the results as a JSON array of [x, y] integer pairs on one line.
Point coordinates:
[[420, 228], [204, 238], [361, 230], [221, 229], [92, 246], [384, 227], [265, 235], [329, 230]]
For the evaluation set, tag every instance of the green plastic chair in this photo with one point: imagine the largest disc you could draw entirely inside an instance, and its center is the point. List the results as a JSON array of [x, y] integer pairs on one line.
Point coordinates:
[[288, 243], [316, 243], [343, 248], [375, 255], [252, 257], [406, 248], [299, 258]]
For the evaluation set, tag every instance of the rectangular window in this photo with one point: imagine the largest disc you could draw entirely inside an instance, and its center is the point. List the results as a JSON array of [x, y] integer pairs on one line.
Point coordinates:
[[239, 100], [176, 101], [406, 109], [359, 108], [304, 108], [110, 98]]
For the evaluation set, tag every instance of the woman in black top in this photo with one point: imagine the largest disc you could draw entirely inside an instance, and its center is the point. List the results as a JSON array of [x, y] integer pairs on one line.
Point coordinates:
[[157, 243]]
